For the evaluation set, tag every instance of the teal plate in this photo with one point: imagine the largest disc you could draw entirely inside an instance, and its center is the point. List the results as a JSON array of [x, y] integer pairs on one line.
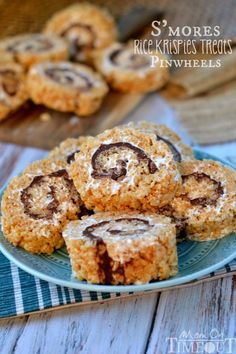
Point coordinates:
[[196, 259]]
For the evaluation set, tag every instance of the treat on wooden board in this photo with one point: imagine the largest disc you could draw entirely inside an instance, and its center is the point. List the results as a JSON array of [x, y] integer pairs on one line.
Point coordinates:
[[13, 91], [86, 27], [124, 169], [122, 248], [36, 206], [206, 201], [29, 49], [67, 87], [128, 71]]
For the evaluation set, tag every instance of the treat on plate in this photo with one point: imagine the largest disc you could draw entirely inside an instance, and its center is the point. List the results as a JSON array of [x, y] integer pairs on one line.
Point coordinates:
[[29, 49], [206, 200], [66, 87], [127, 71], [13, 92], [180, 151], [67, 150], [124, 169], [85, 26], [122, 248], [36, 206]]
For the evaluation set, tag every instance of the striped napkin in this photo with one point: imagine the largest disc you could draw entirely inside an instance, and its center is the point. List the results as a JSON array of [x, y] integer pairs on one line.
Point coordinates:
[[22, 293]]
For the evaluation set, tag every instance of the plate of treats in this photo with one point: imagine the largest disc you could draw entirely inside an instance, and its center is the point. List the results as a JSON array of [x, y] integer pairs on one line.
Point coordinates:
[[131, 209]]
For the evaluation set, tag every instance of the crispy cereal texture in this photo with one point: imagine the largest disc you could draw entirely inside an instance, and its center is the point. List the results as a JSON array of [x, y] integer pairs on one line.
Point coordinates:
[[66, 87], [129, 72], [37, 205], [181, 152], [122, 248], [207, 200], [124, 169], [13, 91], [86, 27], [29, 49]]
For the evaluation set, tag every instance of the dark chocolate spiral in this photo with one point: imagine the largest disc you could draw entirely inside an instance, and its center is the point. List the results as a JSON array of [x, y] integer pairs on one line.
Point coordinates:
[[119, 227], [176, 154], [81, 37], [205, 201], [71, 157], [120, 170], [9, 81], [125, 58], [32, 209], [31, 44], [70, 77]]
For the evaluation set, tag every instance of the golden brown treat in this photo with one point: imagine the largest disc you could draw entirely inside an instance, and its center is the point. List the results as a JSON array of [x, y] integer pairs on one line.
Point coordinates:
[[180, 151], [37, 205], [29, 49], [129, 72], [206, 202], [85, 26], [122, 248], [124, 169], [67, 149], [66, 87], [13, 92]]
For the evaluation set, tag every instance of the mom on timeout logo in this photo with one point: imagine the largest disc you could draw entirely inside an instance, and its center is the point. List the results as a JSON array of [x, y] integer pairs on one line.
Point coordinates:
[[213, 343], [186, 40]]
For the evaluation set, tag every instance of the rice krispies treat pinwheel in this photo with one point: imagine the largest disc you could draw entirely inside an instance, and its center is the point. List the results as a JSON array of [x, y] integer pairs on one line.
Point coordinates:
[[37, 205], [13, 91], [129, 72], [86, 27], [124, 169], [66, 87], [29, 49], [206, 201], [180, 151], [122, 248], [67, 149]]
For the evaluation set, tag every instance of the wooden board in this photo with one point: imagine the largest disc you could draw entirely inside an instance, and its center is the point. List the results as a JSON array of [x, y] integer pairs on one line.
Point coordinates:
[[28, 125]]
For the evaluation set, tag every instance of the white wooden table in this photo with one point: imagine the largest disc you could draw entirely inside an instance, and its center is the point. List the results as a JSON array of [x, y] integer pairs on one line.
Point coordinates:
[[141, 324]]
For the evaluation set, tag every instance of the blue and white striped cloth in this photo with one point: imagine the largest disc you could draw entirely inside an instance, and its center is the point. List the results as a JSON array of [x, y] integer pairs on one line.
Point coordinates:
[[22, 293]]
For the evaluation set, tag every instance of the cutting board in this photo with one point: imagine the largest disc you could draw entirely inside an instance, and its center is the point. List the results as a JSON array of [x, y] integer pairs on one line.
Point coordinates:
[[40, 127]]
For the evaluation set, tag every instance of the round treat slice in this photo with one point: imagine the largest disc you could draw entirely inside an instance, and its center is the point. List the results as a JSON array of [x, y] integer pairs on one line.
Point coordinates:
[[37, 205], [67, 150], [206, 200], [129, 72], [86, 27], [67, 87], [180, 151], [34, 48], [124, 169], [122, 248], [13, 92]]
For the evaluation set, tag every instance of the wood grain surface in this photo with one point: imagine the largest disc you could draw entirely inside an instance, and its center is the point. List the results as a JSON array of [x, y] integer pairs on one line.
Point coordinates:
[[28, 125]]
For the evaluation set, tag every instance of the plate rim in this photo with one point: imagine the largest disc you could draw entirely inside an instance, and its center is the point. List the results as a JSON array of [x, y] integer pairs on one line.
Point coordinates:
[[171, 282]]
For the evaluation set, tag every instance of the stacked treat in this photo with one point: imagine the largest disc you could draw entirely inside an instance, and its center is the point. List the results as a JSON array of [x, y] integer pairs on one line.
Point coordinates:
[[120, 200], [37, 66]]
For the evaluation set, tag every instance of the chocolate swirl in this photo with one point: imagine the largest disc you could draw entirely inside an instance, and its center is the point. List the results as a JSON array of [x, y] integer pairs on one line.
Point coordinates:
[[71, 157], [53, 206], [33, 44], [9, 81], [70, 77], [218, 190], [176, 154], [105, 151], [118, 227], [121, 228], [81, 37], [125, 58]]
